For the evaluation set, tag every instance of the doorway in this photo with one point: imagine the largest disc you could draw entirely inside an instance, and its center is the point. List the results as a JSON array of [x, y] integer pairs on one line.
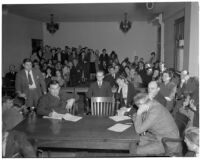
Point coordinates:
[[37, 44]]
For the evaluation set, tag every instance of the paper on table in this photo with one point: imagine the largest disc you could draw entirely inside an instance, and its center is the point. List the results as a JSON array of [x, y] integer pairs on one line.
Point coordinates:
[[55, 116], [119, 127], [70, 117], [119, 118], [66, 116]]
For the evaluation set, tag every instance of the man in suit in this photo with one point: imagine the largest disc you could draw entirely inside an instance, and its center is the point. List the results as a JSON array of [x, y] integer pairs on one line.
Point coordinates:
[[100, 88], [111, 77], [30, 84], [104, 59], [157, 122], [75, 73], [10, 76]]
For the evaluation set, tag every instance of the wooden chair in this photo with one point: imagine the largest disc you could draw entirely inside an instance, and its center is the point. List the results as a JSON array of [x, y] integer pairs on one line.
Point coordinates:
[[102, 106], [181, 121]]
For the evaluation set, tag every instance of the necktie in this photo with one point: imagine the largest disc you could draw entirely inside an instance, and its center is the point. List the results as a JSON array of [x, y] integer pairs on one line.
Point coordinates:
[[30, 82]]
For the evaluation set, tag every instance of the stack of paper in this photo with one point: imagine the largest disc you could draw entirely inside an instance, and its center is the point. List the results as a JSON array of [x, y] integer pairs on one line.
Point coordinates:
[[66, 116], [119, 127], [119, 118], [55, 116], [70, 117]]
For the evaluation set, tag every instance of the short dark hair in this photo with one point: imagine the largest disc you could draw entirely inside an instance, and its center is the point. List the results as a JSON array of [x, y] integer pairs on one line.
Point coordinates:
[[153, 53], [27, 60], [52, 82], [19, 101], [141, 97]]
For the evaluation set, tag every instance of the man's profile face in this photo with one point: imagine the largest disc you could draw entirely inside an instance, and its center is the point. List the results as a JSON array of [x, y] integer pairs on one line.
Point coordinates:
[[99, 76], [54, 89], [27, 66]]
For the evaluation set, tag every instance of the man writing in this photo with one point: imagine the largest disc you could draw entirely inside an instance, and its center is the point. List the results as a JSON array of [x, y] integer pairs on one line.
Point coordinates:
[[55, 101]]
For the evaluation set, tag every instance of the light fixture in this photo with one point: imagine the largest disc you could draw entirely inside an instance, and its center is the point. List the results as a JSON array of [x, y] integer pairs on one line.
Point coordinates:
[[52, 27], [149, 5], [125, 25]]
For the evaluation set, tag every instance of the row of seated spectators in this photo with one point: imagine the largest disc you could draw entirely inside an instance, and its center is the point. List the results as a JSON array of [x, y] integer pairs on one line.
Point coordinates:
[[73, 66]]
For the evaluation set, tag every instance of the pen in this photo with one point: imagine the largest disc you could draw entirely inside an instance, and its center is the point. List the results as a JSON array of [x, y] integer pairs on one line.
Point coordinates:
[[128, 123]]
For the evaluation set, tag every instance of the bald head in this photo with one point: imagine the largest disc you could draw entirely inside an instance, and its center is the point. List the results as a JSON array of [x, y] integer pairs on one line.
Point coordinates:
[[153, 89]]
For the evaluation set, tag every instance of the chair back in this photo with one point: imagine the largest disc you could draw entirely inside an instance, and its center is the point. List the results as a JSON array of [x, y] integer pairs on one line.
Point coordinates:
[[102, 106], [181, 122]]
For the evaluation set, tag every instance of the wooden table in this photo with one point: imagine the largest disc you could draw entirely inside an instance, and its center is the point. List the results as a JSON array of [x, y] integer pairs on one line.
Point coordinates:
[[88, 133]]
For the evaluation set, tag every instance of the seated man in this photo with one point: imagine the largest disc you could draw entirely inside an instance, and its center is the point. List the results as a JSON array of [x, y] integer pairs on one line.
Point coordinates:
[[100, 88], [156, 119], [11, 115], [55, 100], [154, 93]]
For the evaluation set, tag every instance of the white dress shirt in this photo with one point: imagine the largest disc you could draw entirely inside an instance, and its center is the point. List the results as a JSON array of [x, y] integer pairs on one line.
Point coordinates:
[[33, 85]]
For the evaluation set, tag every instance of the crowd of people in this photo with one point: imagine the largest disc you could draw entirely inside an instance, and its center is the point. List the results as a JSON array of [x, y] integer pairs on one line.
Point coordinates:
[[48, 71]]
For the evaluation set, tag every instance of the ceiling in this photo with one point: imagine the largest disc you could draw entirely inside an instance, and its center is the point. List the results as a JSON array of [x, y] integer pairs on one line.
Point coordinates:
[[86, 12]]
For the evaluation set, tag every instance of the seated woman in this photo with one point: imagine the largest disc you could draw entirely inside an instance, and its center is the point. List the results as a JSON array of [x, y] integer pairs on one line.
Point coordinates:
[[192, 141], [168, 89], [59, 78], [134, 77], [125, 92], [66, 74], [156, 120]]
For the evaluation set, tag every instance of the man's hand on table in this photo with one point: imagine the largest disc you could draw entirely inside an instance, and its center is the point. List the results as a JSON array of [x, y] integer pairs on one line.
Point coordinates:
[[70, 103]]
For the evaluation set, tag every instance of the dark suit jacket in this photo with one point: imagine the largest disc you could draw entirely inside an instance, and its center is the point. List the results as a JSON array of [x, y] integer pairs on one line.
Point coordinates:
[[75, 75], [111, 80], [10, 79], [96, 91], [21, 82], [48, 103], [131, 93]]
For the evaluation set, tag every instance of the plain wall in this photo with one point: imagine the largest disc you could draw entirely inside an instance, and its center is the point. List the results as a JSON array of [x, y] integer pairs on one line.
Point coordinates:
[[17, 33], [140, 40]]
